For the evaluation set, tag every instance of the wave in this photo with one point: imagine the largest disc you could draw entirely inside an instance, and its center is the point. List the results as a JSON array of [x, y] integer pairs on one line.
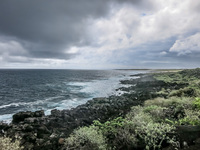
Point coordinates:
[[66, 104], [12, 104], [30, 103], [6, 118], [69, 93], [37, 105]]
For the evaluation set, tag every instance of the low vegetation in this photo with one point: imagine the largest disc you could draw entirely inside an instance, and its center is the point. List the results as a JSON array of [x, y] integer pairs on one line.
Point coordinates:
[[139, 129], [190, 77], [150, 126], [7, 143], [153, 125], [85, 138]]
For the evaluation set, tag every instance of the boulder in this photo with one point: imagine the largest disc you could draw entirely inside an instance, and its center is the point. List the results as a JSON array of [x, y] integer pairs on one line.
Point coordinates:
[[188, 134], [21, 116]]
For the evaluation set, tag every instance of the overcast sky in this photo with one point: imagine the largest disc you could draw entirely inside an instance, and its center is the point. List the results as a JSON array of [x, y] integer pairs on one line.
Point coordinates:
[[99, 34]]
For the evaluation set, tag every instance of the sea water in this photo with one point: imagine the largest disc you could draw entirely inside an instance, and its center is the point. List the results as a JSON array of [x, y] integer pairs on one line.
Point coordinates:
[[31, 90]]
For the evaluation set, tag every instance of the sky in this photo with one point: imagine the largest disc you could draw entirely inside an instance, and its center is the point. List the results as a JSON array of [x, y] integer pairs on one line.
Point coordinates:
[[99, 34]]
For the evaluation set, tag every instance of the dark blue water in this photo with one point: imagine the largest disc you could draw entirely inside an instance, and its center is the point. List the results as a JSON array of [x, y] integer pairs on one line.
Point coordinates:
[[22, 90]]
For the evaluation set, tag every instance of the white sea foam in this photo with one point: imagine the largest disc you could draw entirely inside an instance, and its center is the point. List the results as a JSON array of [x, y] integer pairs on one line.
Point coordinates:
[[30, 103], [13, 104], [93, 88], [33, 106], [101, 88], [65, 104], [7, 118]]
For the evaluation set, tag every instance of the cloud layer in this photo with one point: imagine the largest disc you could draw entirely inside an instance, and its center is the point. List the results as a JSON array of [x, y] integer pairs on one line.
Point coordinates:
[[99, 34], [187, 45]]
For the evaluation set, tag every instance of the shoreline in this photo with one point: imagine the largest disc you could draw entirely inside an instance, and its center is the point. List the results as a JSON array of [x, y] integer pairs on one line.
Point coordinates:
[[37, 130], [115, 91]]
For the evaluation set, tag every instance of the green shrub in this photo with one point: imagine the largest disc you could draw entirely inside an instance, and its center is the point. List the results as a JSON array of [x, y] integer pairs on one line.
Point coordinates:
[[126, 138], [137, 129], [109, 128], [86, 138], [192, 117], [196, 102], [183, 102], [156, 111], [139, 122], [157, 101], [154, 134], [115, 132], [169, 77], [170, 109], [138, 116], [150, 108], [164, 77], [187, 92], [190, 77], [7, 143], [163, 92], [178, 77], [145, 126]]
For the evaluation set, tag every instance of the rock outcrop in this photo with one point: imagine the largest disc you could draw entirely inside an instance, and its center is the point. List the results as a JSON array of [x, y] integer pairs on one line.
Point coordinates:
[[40, 132]]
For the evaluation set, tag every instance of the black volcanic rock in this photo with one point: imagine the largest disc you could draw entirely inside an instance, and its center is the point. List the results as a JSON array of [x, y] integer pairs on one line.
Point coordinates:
[[40, 132], [21, 116]]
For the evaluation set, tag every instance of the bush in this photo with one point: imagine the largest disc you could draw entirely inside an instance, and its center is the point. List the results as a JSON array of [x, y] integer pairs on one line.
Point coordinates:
[[183, 102], [110, 128], [7, 143], [138, 115], [157, 101], [119, 133], [126, 138], [154, 134], [156, 111], [170, 109], [145, 126], [169, 77], [196, 102], [138, 129], [187, 92], [163, 77], [192, 117], [86, 138], [163, 92]]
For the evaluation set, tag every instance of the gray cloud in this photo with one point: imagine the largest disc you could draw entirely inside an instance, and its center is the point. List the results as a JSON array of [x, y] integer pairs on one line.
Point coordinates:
[[46, 29], [100, 33]]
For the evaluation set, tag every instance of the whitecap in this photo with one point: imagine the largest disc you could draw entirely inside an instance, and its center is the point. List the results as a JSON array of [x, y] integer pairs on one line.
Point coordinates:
[[6, 118]]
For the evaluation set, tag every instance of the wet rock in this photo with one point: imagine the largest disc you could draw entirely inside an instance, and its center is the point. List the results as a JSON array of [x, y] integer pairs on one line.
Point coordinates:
[[28, 128], [21, 116], [39, 113], [188, 133], [41, 132], [55, 112]]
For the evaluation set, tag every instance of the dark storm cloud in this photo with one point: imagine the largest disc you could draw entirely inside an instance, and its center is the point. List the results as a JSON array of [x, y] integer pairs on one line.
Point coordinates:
[[47, 28]]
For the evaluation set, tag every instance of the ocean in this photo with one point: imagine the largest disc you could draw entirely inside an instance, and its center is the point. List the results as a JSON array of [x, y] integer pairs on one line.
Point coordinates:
[[31, 90]]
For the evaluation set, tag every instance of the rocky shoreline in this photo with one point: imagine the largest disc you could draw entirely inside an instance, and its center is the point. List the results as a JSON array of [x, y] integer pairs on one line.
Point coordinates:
[[40, 132]]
